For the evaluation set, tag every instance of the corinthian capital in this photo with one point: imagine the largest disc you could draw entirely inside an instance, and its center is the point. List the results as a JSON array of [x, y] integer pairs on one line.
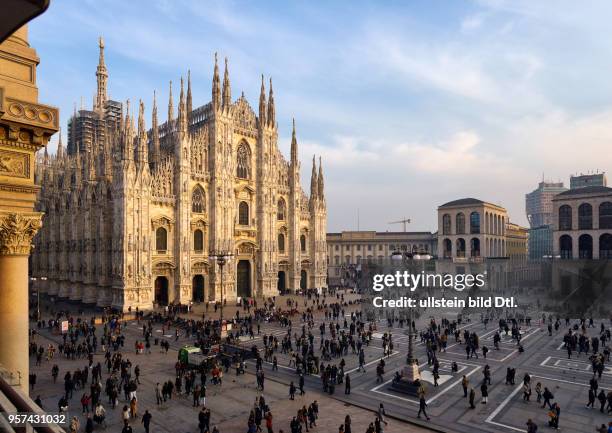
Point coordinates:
[[17, 231]]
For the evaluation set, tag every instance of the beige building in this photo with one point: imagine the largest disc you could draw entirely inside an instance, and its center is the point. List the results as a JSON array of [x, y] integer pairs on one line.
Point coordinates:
[[25, 127], [516, 241], [583, 223], [470, 230], [350, 248], [132, 214]]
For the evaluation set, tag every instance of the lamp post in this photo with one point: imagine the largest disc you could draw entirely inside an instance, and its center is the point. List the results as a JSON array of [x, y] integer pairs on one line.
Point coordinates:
[[410, 378], [221, 258]]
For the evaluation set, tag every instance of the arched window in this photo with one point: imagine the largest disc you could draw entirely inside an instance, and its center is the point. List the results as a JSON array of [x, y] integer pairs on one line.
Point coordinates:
[[281, 243], [605, 246], [243, 161], [565, 246], [448, 248], [460, 247], [565, 217], [303, 243], [198, 200], [446, 224], [460, 223], [281, 209], [585, 217], [475, 247], [198, 240], [243, 213], [474, 223], [605, 215], [585, 247], [161, 239]]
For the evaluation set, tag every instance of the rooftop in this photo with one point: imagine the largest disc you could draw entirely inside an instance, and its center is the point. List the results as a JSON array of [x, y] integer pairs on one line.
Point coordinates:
[[586, 190]]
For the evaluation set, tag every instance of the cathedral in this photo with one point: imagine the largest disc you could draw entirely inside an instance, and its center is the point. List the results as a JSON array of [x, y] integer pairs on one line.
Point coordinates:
[[134, 217]]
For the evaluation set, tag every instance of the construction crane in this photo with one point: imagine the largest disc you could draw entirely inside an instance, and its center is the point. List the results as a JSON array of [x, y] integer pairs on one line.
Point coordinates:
[[404, 222]]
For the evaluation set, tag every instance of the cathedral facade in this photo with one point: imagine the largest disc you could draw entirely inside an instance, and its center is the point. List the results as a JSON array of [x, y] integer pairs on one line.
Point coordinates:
[[133, 216]]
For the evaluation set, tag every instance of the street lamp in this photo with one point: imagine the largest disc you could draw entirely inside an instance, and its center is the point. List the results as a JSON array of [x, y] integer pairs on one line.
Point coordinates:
[[221, 258], [33, 280], [411, 376]]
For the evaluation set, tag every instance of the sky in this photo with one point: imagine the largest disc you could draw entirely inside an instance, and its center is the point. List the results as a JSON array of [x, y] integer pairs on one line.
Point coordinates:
[[410, 104]]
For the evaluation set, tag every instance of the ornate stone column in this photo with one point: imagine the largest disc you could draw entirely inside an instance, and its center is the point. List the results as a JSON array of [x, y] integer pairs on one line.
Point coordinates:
[[25, 127], [16, 233]]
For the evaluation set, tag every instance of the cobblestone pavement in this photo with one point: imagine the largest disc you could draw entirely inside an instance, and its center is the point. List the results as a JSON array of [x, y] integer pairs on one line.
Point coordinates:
[[544, 359]]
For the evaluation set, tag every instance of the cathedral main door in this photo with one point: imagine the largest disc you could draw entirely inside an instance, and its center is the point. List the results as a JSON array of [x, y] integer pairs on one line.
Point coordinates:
[[282, 282], [197, 288], [243, 279], [161, 291], [303, 280]]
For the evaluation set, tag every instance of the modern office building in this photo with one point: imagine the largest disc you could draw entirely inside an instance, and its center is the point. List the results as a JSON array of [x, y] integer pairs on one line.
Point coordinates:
[[585, 180], [539, 209]]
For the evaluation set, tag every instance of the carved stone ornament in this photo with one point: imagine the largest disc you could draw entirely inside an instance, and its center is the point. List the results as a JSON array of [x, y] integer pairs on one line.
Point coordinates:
[[17, 231]]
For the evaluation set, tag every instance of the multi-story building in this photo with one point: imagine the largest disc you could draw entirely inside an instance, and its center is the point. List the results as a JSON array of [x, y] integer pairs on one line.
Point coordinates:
[[351, 248], [539, 208], [586, 180], [132, 215], [583, 223], [516, 241]]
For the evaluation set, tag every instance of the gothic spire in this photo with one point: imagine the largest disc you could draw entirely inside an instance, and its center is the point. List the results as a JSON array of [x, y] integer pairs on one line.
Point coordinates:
[[321, 186], [60, 145], [227, 92], [294, 151], [170, 106], [189, 101], [271, 109], [262, 103], [182, 115], [102, 77], [314, 184], [143, 144], [216, 88], [154, 129]]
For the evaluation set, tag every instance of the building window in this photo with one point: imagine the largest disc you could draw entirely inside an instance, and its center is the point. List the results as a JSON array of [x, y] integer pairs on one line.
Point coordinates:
[[605, 215], [303, 243], [161, 239], [460, 223], [336, 247], [585, 247], [347, 260], [565, 246], [281, 243], [448, 248], [243, 213], [460, 247], [281, 209], [565, 217], [243, 163], [336, 260], [198, 201], [198, 240], [380, 248], [585, 217], [358, 247], [475, 247], [605, 246], [474, 223], [369, 247], [446, 224]]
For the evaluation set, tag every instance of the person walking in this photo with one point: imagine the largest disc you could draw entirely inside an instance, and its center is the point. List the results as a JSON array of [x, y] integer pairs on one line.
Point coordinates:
[[484, 390], [547, 397], [472, 398], [146, 421], [464, 383], [291, 391], [347, 384], [422, 406]]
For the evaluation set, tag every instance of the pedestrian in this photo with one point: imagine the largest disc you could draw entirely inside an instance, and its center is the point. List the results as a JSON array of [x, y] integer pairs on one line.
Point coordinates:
[[291, 391], [464, 383], [484, 390], [422, 406], [146, 420], [74, 425], [547, 397], [126, 427], [531, 426], [472, 398], [347, 384], [89, 425]]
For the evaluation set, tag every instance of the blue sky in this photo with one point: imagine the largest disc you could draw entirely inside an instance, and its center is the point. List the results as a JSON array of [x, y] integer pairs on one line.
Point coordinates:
[[410, 103]]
